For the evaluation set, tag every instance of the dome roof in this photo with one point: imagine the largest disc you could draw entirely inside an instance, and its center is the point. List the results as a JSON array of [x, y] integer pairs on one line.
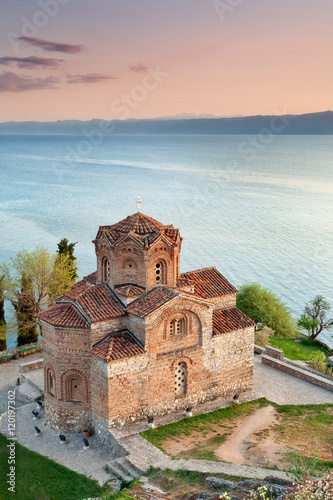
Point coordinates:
[[143, 228]]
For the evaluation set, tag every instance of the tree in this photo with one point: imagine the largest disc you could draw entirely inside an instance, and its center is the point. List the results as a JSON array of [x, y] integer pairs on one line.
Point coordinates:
[[67, 249], [314, 319], [263, 306], [31, 280], [3, 343]]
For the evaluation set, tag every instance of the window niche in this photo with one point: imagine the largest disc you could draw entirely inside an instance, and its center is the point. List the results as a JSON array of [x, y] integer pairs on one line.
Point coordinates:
[[160, 273], [105, 270], [181, 379], [177, 326]]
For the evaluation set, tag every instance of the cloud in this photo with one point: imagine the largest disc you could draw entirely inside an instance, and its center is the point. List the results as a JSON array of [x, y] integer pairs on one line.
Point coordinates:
[[139, 68], [88, 78], [30, 62], [10, 82], [66, 48]]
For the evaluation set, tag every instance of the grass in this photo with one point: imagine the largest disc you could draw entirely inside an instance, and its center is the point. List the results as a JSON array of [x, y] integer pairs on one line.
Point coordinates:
[[180, 483], [302, 350], [39, 478], [202, 423], [306, 429]]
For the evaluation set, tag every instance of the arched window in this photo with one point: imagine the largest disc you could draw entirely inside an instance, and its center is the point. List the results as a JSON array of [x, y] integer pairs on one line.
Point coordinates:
[[50, 381], [105, 269], [172, 327], [181, 379], [177, 326], [160, 273]]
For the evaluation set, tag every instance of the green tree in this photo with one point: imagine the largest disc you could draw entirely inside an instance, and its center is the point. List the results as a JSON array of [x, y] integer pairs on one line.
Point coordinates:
[[314, 319], [24, 306], [67, 249], [31, 281], [3, 343], [263, 306]]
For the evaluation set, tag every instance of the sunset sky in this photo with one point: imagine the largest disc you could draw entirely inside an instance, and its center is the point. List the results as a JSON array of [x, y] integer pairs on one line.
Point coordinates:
[[83, 59]]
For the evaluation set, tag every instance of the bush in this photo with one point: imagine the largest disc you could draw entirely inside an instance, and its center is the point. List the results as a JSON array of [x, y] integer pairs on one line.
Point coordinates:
[[261, 337], [318, 363], [263, 306]]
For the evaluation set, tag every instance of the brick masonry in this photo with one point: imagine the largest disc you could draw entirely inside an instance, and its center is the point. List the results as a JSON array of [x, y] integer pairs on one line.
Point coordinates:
[[182, 362]]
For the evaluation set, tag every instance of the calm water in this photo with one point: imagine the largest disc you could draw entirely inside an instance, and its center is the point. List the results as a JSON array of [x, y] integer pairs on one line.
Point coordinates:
[[264, 217]]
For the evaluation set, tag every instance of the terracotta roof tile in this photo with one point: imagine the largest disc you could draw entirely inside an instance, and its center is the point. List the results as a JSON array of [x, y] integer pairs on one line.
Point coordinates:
[[79, 288], [155, 298], [142, 228], [209, 282], [117, 346], [63, 314], [229, 320], [99, 302], [129, 290], [184, 282], [91, 278]]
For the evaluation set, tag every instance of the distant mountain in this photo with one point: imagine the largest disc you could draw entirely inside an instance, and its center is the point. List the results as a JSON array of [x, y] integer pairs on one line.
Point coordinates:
[[311, 123]]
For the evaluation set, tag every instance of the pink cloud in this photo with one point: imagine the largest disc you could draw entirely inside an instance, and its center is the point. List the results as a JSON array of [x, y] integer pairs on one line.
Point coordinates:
[[30, 62], [66, 48], [88, 78], [10, 82], [139, 68]]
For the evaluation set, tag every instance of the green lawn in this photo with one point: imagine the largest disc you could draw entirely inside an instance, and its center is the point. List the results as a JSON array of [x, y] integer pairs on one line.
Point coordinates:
[[39, 478], [302, 350]]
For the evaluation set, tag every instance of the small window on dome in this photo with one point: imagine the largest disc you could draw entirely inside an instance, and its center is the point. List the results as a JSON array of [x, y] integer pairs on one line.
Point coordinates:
[[160, 273]]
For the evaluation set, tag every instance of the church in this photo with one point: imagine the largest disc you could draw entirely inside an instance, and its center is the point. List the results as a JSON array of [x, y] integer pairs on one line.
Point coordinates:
[[138, 338]]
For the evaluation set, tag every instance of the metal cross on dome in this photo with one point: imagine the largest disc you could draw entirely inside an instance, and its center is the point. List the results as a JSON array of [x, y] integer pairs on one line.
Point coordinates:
[[138, 203]]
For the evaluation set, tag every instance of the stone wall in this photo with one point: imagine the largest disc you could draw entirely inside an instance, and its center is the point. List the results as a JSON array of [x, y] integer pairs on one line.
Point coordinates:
[[313, 378]]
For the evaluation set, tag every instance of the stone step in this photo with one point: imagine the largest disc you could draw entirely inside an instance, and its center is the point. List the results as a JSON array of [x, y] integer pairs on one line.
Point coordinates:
[[118, 470], [128, 467], [135, 465]]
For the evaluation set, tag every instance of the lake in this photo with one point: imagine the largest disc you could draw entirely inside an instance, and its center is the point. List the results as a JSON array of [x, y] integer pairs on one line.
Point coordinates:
[[258, 213]]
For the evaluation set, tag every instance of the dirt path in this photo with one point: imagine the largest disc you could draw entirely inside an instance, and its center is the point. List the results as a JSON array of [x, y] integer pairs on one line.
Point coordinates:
[[244, 446]]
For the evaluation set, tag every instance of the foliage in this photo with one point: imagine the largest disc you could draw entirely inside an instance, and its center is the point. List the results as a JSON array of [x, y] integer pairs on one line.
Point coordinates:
[[311, 489], [38, 477], [303, 467], [263, 306], [67, 249], [318, 363], [314, 319], [303, 350], [25, 314], [30, 281], [261, 338]]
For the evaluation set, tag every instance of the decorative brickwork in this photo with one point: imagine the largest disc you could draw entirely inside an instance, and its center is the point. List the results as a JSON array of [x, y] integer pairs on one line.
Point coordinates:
[[137, 338]]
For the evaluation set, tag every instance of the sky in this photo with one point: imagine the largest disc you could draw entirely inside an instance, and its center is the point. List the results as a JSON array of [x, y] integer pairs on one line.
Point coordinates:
[[126, 59]]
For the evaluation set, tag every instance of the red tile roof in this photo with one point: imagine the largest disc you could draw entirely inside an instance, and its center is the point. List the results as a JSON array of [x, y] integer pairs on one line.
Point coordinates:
[[142, 228], [209, 282], [99, 302], [155, 298], [63, 314], [76, 290], [229, 320], [117, 346], [129, 290], [91, 278]]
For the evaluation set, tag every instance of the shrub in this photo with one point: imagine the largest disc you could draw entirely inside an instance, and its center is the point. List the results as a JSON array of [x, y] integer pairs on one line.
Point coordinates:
[[263, 306], [318, 363], [261, 337]]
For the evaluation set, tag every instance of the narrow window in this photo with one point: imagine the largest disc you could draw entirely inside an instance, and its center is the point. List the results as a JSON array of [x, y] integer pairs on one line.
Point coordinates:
[[160, 273], [105, 270], [181, 379], [172, 327]]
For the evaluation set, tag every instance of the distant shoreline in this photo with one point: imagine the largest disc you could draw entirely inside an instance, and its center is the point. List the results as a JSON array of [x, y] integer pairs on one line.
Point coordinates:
[[265, 125]]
